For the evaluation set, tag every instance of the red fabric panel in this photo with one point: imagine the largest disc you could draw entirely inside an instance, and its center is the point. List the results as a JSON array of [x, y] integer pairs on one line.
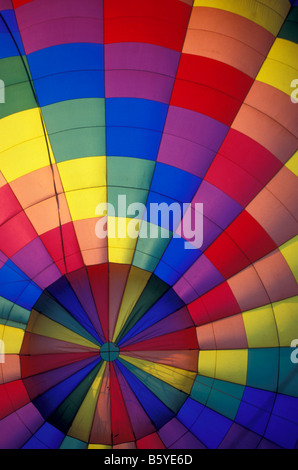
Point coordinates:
[[226, 256], [150, 442], [250, 155], [52, 242], [198, 312], [99, 282], [144, 30], [172, 11], [253, 240], [233, 180], [186, 339], [15, 234], [38, 364], [219, 303], [121, 426], [12, 397], [205, 100], [155, 22], [18, 3], [215, 74], [10, 206]]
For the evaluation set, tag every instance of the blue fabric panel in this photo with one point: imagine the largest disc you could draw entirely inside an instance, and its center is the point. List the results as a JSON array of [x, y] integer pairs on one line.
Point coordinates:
[[156, 410]]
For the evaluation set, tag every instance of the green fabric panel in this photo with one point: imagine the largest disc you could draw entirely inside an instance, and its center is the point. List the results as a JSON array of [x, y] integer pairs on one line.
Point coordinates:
[[153, 291], [262, 368], [48, 306], [72, 443], [144, 261], [18, 92], [289, 29], [74, 114], [129, 172], [225, 398], [132, 196], [78, 143], [76, 128], [153, 246], [13, 312], [201, 389], [222, 397], [167, 394], [21, 326], [64, 415], [150, 250], [288, 373]]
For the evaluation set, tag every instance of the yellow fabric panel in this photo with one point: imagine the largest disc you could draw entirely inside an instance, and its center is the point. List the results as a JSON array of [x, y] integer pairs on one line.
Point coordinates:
[[230, 365], [12, 339], [82, 203], [289, 251], [121, 248], [269, 14], [292, 164], [121, 255], [82, 424], [207, 363], [26, 150], [260, 327], [80, 173], [24, 158], [136, 283], [286, 314], [29, 127], [281, 66], [284, 51], [41, 325], [178, 378], [99, 446]]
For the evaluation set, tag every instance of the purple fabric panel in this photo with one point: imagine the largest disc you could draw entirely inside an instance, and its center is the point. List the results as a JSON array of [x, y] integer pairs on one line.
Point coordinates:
[[218, 206], [186, 155], [48, 276], [240, 438], [210, 230], [3, 259], [81, 287], [45, 24], [141, 424], [40, 11], [38, 384], [179, 320], [265, 444], [62, 31], [188, 441], [138, 84], [171, 432], [195, 127], [6, 5], [185, 290], [176, 436], [142, 57], [36, 263], [202, 276], [19, 426]]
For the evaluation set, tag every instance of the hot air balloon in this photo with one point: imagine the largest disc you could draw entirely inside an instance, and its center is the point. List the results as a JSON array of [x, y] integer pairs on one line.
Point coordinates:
[[148, 342]]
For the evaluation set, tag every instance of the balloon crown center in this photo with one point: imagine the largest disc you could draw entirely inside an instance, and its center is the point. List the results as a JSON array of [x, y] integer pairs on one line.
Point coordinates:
[[109, 352]]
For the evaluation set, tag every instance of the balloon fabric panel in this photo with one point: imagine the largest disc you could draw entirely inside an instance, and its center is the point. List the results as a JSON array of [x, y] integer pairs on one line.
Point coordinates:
[[161, 339]]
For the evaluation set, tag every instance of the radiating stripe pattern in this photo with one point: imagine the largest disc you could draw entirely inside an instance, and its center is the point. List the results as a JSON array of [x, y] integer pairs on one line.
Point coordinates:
[[148, 342]]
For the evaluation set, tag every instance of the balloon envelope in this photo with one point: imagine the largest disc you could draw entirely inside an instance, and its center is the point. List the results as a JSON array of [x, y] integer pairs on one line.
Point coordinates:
[[122, 327]]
